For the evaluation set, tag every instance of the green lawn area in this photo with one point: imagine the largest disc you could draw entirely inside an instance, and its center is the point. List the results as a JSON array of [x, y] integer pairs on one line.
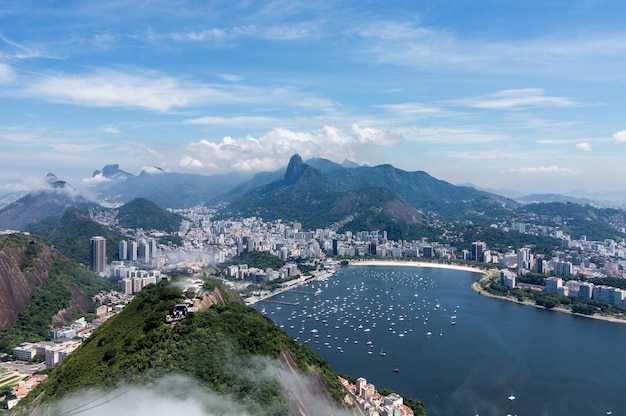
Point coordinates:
[[10, 379]]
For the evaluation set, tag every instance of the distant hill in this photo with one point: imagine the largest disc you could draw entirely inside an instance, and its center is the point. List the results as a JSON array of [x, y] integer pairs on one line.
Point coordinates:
[[71, 231], [539, 198], [142, 213], [36, 206], [113, 173], [39, 286], [170, 190]]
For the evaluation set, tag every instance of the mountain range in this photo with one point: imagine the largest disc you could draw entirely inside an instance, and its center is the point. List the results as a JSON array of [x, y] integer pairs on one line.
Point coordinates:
[[317, 193]]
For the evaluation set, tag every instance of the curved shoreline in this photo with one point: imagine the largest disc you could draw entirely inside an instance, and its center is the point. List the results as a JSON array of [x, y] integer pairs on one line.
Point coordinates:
[[476, 286]]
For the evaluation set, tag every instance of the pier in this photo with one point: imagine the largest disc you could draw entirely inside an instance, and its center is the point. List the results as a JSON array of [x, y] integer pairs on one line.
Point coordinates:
[[305, 292], [282, 302]]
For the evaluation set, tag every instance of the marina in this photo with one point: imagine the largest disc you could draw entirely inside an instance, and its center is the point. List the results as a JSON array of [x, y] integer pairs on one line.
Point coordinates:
[[452, 349]]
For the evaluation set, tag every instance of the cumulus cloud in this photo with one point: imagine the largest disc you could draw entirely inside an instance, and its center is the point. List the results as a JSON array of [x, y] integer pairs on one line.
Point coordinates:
[[620, 137], [271, 150], [95, 180], [586, 147], [190, 162], [516, 98], [27, 184], [542, 170]]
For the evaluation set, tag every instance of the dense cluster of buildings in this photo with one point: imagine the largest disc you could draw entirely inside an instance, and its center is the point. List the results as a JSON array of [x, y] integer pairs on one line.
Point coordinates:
[[54, 352], [242, 271], [586, 290], [372, 402]]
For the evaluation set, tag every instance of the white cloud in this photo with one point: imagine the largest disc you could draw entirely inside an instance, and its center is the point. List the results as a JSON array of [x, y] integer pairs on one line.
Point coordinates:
[[542, 170], [272, 150], [233, 121], [27, 184], [415, 110], [190, 162], [111, 129], [586, 147], [272, 32], [620, 137], [452, 135], [516, 98], [410, 44], [6, 74], [153, 91], [231, 77], [95, 180]]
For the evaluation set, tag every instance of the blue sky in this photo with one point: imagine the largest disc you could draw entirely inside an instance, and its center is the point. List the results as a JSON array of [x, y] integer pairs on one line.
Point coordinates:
[[525, 95]]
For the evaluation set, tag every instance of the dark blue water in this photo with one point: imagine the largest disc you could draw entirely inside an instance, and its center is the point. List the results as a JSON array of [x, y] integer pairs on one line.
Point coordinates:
[[553, 363]]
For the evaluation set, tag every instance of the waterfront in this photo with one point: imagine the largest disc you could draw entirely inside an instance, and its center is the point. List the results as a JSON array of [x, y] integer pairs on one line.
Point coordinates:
[[554, 363]]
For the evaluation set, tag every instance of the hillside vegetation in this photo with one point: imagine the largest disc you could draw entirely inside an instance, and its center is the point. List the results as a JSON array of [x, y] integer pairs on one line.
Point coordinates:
[[259, 259], [142, 213], [70, 234], [219, 347]]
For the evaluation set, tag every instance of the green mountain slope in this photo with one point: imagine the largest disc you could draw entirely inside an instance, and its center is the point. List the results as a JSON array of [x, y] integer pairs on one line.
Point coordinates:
[[313, 198], [221, 347]]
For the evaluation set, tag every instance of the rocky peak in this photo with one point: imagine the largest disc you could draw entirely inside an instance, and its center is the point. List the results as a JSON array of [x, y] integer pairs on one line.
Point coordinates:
[[296, 169]]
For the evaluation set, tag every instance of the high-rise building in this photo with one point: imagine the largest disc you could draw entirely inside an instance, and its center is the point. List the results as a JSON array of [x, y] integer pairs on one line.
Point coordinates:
[[144, 251], [97, 254], [478, 248], [153, 248], [123, 255], [524, 258], [132, 251]]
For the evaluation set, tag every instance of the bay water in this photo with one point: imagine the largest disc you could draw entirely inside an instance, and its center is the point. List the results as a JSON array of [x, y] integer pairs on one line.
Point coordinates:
[[423, 332]]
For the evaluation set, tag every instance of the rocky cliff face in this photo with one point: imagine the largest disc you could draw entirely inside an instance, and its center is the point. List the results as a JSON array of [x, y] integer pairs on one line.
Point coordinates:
[[24, 266], [217, 296], [18, 281]]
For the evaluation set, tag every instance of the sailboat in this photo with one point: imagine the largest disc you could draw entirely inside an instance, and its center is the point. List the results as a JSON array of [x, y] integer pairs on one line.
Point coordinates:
[[382, 353], [511, 396]]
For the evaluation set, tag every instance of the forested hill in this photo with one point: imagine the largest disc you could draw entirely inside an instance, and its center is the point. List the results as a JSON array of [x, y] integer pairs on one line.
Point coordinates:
[[142, 213], [229, 350]]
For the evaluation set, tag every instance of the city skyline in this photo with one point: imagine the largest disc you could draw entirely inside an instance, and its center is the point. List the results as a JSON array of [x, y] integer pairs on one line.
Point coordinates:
[[519, 96]]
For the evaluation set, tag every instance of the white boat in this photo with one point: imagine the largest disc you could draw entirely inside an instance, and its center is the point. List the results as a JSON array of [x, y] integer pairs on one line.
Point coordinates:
[[511, 397], [453, 320], [382, 353]]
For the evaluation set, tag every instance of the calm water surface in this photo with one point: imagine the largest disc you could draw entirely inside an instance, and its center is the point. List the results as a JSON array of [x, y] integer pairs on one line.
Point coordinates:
[[553, 363]]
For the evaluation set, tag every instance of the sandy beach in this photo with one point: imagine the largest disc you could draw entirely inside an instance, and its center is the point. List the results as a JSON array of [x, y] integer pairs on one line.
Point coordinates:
[[416, 264]]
